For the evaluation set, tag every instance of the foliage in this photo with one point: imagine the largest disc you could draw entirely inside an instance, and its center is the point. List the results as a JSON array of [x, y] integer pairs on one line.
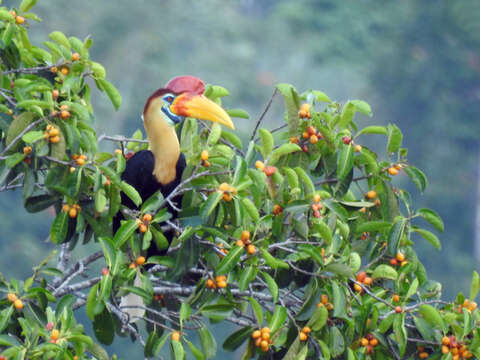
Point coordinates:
[[300, 232]]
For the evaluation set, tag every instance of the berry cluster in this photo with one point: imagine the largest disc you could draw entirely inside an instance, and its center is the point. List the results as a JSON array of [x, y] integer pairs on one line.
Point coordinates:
[[277, 209], [52, 134], [262, 338], [27, 150], [399, 259], [245, 240], [458, 350], [204, 158], [324, 301], [79, 159], [304, 111], [303, 334], [18, 19], [11, 297], [364, 279], [369, 342], [316, 206], [143, 224], [72, 210], [467, 304], [268, 170], [139, 261], [220, 282], [228, 191]]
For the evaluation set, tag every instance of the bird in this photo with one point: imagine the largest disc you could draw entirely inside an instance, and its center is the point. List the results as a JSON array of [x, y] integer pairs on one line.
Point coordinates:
[[161, 167]]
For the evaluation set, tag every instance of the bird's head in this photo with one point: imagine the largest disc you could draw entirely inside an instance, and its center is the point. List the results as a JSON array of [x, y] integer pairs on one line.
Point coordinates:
[[183, 97]]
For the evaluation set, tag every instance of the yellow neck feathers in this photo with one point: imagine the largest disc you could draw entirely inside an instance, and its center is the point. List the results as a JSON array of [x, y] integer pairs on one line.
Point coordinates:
[[163, 142]]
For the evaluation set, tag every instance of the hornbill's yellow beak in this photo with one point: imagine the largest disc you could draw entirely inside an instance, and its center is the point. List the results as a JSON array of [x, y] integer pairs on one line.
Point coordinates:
[[200, 107]]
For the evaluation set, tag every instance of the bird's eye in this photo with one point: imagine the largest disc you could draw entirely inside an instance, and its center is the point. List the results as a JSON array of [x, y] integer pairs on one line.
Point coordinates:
[[168, 98]]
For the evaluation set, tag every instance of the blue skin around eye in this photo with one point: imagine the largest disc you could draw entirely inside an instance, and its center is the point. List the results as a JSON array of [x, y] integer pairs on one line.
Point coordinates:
[[166, 109]]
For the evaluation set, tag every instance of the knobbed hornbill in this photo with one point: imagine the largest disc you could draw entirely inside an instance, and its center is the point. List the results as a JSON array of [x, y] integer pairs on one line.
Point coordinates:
[[161, 167]]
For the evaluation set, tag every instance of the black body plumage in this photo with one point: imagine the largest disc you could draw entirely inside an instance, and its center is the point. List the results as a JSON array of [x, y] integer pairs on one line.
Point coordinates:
[[139, 174]]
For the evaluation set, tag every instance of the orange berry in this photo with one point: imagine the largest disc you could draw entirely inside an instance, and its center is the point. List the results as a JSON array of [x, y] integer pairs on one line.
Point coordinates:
[[313, 139], [65, 114], [220, 278], [473, 305], [175, 336], [140, 260], [19, 20], [204, 155], [132, 266], [264, 345], [13, 13], [445, 340], [329, 306], [372, 194], [53, 132], [305, 107], [206, 163], [222, 284], [398, 309], [105, 271], [306, 330], [147, 218], [227, 197], [368, 281], [361, 276], [423, 355], [316, 198], [364, 342], [82, 156], [270, 170], [392, 171], [27, 150], [256, 334], [239, 243], [357, 148], [54, 69], [266, 329], [294, 140], [277, 209], [54, 334], [75, 56], [18, 304], [357, 288], [65, 207], [245, 235], [395, 298], [80, 162], [251, 249], [72, 213], [373, 342], [210, 283], [142, 228], [55, 94], [311, 130], [265, 335], [363, 210], [12, 297], [55, 139], [302, 336], [305, 135], [393, 262], [324, 299], [65, 70], [320, 304], [224, 186], [400, 257]]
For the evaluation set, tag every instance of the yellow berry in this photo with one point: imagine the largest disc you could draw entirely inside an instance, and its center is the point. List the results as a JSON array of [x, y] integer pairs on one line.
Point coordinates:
[[251, 249], [256, 334], [19, 20], [363, 342], [140, 260], [357, 148], [259, 165], [245, 235], [11, 297], [302, 336], [372, 194], [175, 336], [316, 198], [400, 257], [222, 284], [392, 171], [239, 243], [18, 304], [75, 56], [306, 330], [147, 218], [55, 139], [54, 334], [72, 213], [224, 186], [65, 70], [204, 155]]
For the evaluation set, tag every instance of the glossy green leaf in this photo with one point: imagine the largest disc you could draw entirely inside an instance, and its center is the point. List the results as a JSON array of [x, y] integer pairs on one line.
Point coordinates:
[[394, 141], [432, 316], [112, 93], [257, 310], [475, 285], [417, 176], [267, 142], [59, 228], [124, 232], [272, 285], [282, 150], [394, 236], [207, 342], [237, 338], [229, 261], [384, 271], [278, 318], [430, 237], [380, 130], [345, 161], [433, 218]]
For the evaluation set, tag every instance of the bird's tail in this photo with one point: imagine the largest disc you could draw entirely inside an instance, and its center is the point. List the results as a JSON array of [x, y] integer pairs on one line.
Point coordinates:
[[132, 304]]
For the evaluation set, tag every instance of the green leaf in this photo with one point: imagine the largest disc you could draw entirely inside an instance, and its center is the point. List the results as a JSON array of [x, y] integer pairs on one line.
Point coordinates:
[[18, 125], [337, 342], [251, 209], [417, 176], [178, 350], [267, 142], [98, 70], [380, 130], [14, 159], [345, 161], [394, 236], [384, 271], [247, 276], [33, 136], [292, 104], [272, 261], [238, 113], [432, 316], [412, 289], [320, 96], [112, 93], [100, 200], [124, 232], [207, 342], [27, 5], [394, 141], [98, 352], [272, 286], [323, 230], [60, 38], [215, 132], [211, 203], [215, 91], [306, 180], [339, 301], [185, 312], [229, 261], [282, 150], [337, 209], [58, 232], [131, 192], [475, 286], [5, 318], [430, 237], [433, 218], [257, 310], [195, 351], [237, 338], [319, 318], [339, 269], [278, 318], [371, 226]]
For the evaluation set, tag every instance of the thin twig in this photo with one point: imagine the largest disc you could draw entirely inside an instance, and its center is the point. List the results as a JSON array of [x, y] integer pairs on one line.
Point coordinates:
[[19, 136], [121, 139], [260, 119]]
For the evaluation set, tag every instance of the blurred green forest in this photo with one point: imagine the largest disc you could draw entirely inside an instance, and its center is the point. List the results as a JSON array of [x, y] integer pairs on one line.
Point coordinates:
[[417, 62]]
